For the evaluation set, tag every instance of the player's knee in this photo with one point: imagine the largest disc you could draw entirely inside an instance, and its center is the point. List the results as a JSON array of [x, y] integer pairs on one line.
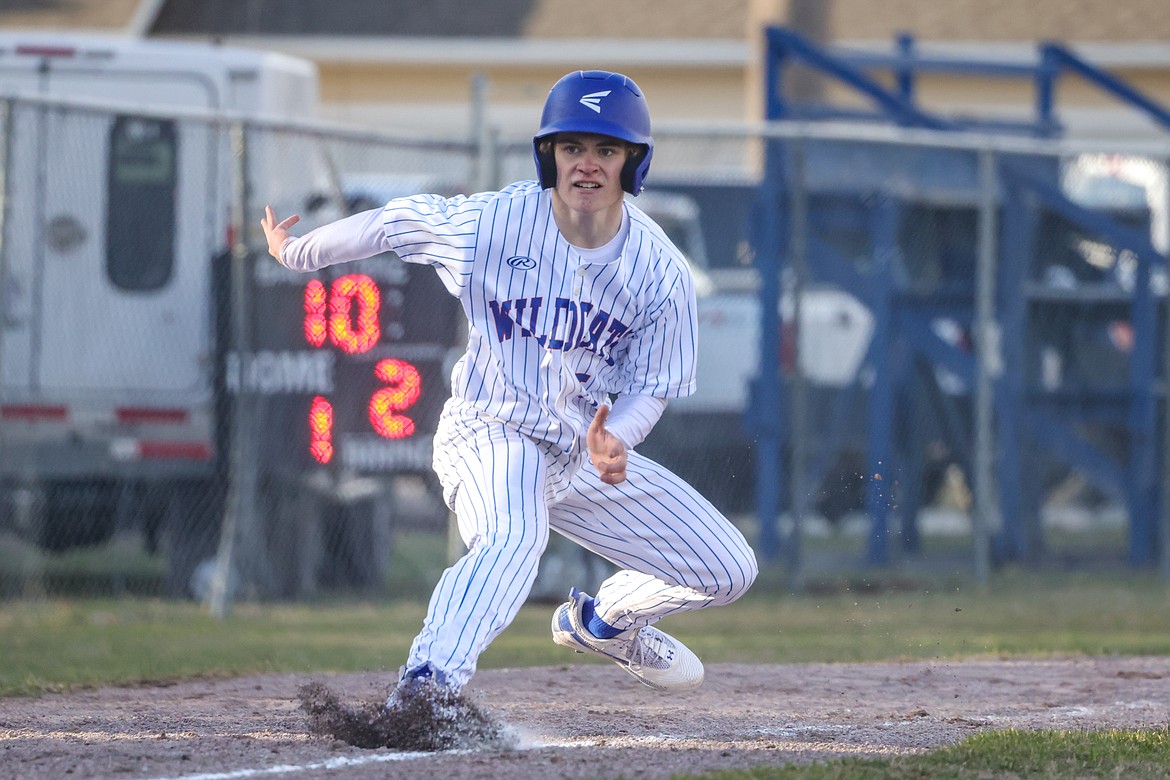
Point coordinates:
[[751, 571], [740, 578], [526, 539]]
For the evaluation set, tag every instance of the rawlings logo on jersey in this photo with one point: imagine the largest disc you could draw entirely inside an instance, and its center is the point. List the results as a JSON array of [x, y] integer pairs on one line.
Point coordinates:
[[522, 263], [574, 324]]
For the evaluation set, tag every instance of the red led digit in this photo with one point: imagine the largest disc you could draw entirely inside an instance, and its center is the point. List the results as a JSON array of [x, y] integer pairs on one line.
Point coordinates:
[[321, 430], [405, 386], [360, 334], [316, 324]]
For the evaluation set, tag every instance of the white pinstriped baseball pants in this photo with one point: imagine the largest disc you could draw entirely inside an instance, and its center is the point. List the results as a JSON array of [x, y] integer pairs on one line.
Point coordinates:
[[674, 550]]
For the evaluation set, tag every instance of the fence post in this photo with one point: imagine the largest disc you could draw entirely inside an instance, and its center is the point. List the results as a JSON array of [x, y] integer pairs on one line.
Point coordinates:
[[1164, 503], [484, 137], [25, 497], [988, 365], [766, 416], [880, 473], [5, 200], [239, 556], [801, 489]]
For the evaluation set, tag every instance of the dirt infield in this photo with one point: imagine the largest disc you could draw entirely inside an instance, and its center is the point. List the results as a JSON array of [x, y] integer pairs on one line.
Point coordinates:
[[581, 721]]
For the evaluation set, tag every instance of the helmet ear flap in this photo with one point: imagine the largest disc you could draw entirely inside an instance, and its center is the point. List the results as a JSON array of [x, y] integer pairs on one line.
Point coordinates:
[[546, 164], [634, 171]]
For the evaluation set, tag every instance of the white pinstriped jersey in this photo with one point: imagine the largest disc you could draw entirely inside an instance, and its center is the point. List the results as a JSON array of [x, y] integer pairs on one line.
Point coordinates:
[[551, 335]]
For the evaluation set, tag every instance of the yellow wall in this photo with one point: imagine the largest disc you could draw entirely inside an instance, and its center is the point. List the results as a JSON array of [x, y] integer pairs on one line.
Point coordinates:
[[403, 96], [674, 94]]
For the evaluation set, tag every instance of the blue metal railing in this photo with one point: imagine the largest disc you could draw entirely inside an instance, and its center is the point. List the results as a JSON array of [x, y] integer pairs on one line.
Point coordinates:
[[783, 44], [906, 64], [1055, 59], [1024, 418]]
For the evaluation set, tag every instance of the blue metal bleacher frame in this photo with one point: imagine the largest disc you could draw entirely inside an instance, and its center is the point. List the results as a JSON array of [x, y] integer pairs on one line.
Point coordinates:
[[854, 187]]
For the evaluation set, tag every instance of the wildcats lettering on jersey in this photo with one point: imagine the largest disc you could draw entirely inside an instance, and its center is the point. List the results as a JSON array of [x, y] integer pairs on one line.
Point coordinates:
[[573, 325]]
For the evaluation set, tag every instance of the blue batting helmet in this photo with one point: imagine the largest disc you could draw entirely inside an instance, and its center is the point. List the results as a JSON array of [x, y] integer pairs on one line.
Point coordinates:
[[597, 101]]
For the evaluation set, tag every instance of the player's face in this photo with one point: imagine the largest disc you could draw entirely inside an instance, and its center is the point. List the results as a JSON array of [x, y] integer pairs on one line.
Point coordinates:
[[589, 171]]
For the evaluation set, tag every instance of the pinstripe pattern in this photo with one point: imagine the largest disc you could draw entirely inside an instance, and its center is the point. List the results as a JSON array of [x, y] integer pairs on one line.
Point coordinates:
[[677, 551], [628, 326], [551, 336]]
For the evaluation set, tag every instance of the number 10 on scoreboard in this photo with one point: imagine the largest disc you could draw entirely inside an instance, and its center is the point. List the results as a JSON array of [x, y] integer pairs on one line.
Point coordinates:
[[347, 315]]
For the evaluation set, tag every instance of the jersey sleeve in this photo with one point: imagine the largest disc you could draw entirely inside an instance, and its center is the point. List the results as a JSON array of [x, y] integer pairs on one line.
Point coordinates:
[[660, 355], [634, 416], [436, 231], [353, 238]]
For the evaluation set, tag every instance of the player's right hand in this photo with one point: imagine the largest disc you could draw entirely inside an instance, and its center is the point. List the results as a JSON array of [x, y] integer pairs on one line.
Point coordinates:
[[276, 232], [607, 452]]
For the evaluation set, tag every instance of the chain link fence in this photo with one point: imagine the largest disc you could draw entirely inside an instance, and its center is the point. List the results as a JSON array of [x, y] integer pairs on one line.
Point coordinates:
[[979, 347], [180, 415], [1008, 298]]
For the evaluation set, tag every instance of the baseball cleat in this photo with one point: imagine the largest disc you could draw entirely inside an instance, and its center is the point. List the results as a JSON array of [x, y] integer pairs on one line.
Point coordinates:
[[424, 680], [653, 657]]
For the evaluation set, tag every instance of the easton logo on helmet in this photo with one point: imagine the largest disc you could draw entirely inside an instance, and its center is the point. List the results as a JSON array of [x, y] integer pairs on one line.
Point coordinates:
[[593, 100]]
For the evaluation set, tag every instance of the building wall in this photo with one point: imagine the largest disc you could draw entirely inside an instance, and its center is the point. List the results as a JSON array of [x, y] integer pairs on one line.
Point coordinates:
[[435, 97], [950, 20], [438, 97], [847, 20], [103, 15], [1003, 20], [697, 60]]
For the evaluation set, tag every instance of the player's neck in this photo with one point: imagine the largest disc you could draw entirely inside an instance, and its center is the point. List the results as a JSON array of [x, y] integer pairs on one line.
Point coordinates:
[[587, 230]]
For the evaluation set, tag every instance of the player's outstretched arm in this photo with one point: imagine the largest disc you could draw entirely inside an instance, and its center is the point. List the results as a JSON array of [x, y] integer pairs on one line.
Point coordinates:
[[606, 450], [276, 232], [355, 237]]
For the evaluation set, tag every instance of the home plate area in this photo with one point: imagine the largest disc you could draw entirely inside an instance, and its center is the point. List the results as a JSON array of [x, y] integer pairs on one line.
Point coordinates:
[[583, 720]]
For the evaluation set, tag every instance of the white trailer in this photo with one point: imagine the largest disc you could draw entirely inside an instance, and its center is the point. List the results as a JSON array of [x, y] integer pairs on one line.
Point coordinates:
[[111, 220]]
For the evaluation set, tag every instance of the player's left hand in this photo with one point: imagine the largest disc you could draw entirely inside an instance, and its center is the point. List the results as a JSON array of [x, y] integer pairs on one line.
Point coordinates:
[[606, 450]]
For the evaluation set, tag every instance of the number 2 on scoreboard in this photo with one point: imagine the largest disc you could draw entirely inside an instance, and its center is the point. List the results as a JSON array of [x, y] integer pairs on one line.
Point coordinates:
[[404, 385], [403, 388]]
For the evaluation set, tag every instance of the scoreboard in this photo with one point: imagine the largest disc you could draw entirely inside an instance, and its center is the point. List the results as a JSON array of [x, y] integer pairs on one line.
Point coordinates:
[[350, 364]]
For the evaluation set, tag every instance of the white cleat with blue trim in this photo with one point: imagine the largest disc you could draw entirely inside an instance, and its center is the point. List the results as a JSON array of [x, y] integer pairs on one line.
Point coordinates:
[[653, 657]]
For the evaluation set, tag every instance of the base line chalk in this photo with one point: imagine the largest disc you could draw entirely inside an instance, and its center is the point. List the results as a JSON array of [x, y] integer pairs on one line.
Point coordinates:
[[334, 763]]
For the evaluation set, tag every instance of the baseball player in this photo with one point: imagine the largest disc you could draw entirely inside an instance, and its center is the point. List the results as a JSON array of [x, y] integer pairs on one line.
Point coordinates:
[[573, 297]]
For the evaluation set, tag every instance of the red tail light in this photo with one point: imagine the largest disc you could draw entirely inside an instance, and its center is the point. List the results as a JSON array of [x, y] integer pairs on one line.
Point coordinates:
[[34, 412], [174, 450], [139, 414], [44, 50]]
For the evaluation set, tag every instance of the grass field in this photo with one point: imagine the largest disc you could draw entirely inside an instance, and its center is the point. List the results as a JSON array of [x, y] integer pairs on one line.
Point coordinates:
[[1005, 754], [56, 644], [49, 645]]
